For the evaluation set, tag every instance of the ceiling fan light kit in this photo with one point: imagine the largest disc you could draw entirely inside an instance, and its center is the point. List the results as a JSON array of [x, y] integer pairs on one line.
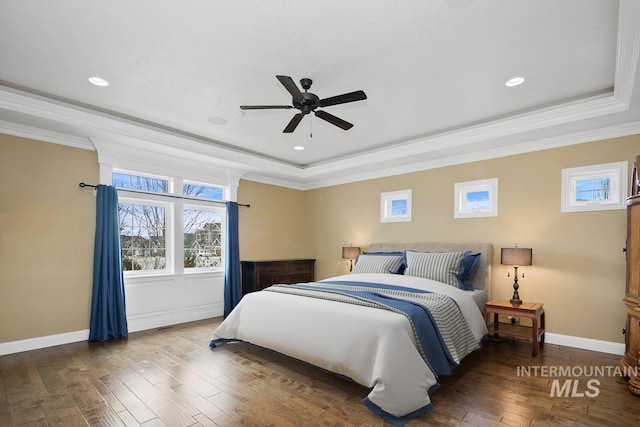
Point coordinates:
[[306, 102]]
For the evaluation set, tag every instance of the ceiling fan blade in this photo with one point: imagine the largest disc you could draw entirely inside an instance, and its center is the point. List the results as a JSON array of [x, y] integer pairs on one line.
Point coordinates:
[[344, 98], [291, 86], [293, 123], [265, 107], [334, 120]]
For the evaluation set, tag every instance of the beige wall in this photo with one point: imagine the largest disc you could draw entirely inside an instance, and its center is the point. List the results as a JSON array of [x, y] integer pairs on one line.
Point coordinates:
[[579, 268], [46, 238], [274, 226]]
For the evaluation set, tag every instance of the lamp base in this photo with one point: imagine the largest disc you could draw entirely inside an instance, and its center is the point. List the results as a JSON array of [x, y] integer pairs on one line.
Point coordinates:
[[515, 299]]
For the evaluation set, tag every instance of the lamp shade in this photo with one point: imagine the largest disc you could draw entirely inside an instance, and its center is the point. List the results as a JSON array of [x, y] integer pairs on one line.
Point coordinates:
[[516, 256], [350, 252]]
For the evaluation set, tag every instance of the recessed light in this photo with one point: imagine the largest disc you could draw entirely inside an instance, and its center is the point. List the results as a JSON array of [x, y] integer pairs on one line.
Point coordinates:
[[216, 120], [516, 81], [98, 81], [298, 147]]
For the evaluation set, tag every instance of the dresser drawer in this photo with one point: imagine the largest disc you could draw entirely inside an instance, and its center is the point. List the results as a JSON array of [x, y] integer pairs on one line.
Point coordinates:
[[257, 275], [300, 268], [267, 270]]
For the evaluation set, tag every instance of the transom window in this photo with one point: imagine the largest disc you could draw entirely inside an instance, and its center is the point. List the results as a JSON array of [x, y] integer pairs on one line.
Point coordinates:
[[203, 191], [139, 182], [395, 206], [593, 189]]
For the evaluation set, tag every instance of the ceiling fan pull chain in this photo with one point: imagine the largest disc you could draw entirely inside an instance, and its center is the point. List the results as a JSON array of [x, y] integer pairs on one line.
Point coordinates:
[[311, 127]]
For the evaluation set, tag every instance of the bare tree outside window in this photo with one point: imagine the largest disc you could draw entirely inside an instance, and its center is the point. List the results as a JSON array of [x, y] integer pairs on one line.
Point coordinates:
[[598, 189], [202, 229], [143, 226], [142, 236], [202, 239]]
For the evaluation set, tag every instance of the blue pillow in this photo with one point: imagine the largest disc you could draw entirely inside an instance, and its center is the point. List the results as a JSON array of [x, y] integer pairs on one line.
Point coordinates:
[[402, 266], [468, 266]]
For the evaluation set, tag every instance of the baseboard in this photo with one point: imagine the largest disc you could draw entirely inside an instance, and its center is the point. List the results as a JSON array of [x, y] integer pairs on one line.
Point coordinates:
[[585, 343], [43, 342], [70, 337]]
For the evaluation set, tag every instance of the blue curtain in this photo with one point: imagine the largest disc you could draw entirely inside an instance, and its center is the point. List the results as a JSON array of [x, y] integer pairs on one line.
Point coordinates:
[[232, 283], [108, 314]]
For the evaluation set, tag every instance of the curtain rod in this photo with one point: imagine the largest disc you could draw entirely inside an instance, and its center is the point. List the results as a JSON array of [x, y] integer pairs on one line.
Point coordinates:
[[174, 196]]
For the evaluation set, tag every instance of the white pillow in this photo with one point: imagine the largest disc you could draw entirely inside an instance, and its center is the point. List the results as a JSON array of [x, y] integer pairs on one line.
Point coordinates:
[[441, 266]]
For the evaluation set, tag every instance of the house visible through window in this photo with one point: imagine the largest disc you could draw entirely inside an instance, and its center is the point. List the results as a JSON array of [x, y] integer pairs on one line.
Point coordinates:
[[142, 236], [148, 238], [202, 238]]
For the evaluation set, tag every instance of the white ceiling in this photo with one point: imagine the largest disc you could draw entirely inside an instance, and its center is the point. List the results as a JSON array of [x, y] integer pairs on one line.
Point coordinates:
[[433, 71]]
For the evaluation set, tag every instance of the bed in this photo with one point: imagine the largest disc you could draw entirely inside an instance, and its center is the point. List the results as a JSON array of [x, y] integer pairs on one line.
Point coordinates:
[[372, 326]]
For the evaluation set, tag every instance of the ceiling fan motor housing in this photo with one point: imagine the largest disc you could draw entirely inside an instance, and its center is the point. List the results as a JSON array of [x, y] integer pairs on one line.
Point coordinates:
[[308, 104]]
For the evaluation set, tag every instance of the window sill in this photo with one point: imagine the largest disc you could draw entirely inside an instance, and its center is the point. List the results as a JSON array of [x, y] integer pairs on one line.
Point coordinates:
[[150, 277]]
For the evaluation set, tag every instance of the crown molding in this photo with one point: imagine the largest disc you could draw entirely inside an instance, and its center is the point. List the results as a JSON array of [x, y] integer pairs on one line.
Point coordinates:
[[616, 131], [139, 157], [570, 112], [628, 50], [261, 169], [121, 128], [45, 135]]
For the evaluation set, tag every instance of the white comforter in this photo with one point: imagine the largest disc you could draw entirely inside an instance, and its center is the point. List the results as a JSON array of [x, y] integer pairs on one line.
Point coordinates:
[[375, 348]]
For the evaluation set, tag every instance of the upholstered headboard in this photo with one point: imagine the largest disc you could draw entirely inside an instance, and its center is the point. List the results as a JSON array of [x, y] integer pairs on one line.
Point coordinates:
[[482, 277]]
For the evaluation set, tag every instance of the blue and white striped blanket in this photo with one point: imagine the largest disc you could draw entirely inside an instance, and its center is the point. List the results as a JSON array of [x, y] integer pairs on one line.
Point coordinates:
[[391, 333], [440, 331]]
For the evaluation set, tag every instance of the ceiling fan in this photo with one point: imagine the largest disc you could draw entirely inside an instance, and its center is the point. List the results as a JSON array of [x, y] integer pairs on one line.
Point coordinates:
[[307, 102]]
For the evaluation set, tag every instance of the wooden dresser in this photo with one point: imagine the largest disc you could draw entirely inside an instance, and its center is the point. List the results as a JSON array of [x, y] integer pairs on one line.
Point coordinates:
[[632, 290], [257, 275]]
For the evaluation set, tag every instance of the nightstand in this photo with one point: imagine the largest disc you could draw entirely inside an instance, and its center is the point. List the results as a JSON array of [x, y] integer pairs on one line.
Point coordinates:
[[531, 310]]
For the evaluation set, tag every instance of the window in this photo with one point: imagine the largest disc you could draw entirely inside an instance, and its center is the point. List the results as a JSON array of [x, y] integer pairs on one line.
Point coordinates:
[[203, 191], [139, 182], [202, 238], [395, 206], [597, 187], [474, 199], [148, 238], [142, 237]]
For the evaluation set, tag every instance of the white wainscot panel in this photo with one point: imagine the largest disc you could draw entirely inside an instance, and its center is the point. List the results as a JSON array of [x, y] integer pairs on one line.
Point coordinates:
[[158, 301], [146, 296], [204, 292]]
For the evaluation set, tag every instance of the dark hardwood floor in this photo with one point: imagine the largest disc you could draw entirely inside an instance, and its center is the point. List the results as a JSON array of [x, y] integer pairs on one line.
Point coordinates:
[[170, 377]]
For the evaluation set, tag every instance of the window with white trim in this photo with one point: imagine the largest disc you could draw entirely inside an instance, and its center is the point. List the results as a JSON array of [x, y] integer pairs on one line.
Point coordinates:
[[152, 240], [395, 206]]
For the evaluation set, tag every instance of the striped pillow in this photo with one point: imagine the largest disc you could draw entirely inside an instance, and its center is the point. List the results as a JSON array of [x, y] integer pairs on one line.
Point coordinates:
[[377, 264], [441, 266]]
